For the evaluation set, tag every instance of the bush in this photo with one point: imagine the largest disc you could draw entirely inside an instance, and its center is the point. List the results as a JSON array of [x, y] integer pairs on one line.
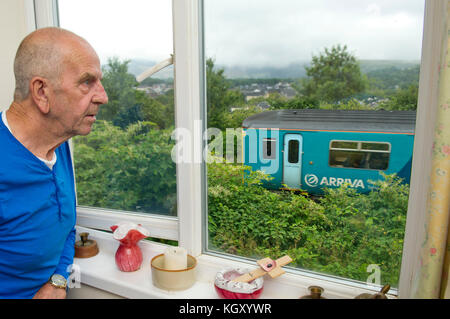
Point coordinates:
[[128, 169], [340, 234]]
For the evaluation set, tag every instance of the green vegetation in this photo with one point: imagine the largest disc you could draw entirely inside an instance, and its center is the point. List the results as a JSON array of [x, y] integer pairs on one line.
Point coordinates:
[[333, 76], [126, 164], [340, 234], [129, 169]]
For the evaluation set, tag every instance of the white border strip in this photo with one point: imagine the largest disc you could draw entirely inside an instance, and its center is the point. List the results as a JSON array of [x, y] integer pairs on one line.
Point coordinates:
[[188, 116], [163, 227]]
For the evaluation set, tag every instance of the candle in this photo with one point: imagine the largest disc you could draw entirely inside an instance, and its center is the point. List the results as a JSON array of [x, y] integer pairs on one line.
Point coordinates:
[[175, 258]]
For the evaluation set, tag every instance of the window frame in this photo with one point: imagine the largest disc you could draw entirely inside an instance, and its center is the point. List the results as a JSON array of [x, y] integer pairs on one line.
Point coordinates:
[[190, 111]]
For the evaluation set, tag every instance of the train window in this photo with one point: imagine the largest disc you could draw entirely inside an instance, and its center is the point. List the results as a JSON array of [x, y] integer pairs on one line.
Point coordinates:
[[293, 151], [375, 146], [366, 155], [269, 148], [344, 145]]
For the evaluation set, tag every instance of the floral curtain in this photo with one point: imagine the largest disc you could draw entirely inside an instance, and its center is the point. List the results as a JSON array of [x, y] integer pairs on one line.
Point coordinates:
[[432, 279]]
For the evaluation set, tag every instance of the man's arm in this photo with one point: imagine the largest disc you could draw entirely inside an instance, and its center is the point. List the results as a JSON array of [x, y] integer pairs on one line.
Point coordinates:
[[48, 291], [67, 255]]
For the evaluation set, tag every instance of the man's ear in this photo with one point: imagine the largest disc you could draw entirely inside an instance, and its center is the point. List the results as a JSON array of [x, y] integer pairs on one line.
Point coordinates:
[[39, 91]]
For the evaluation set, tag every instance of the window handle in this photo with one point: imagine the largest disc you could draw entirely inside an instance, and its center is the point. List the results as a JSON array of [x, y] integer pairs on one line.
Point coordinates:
[[154, 69]]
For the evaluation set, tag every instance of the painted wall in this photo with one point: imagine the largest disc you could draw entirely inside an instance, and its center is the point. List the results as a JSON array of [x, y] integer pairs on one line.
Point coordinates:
[[15, 23]]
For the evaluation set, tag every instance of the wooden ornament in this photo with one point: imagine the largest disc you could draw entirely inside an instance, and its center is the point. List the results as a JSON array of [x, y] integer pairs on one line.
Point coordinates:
[[85, 248], [267, 266]]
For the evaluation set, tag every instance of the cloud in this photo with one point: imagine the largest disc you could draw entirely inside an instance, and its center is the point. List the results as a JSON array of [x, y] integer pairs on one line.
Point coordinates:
[[284, 31], [253, 32]]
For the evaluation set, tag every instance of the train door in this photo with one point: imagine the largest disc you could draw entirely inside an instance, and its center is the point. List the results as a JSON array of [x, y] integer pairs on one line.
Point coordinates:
[[292, 160]]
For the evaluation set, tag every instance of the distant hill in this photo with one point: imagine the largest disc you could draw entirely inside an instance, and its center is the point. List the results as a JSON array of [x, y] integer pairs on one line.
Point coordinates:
[[291, 71], [297, 70], [368, 66]]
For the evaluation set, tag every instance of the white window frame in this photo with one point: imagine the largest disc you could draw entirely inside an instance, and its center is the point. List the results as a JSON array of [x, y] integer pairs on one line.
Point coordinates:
[[189, 228]]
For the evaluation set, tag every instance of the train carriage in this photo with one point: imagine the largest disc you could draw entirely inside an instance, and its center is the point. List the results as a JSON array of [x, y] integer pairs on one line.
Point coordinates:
[[312, 149]]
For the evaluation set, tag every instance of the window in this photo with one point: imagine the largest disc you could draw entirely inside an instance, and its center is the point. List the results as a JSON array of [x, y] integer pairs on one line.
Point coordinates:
[[260, 56], [361, 155], [269, 148], [125, 163], [293, 151]]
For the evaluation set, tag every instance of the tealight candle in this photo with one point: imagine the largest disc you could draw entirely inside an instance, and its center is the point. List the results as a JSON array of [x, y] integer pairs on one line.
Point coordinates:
[[175, 258]]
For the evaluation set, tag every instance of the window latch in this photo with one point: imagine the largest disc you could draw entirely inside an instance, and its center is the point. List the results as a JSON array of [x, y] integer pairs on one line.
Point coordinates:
[[154, 69]]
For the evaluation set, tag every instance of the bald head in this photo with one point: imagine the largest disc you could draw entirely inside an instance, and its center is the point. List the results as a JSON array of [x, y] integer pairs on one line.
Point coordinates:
[[42, 53]]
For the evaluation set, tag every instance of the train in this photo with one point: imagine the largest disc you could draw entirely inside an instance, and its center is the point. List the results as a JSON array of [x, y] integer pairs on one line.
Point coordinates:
[[311, 149]]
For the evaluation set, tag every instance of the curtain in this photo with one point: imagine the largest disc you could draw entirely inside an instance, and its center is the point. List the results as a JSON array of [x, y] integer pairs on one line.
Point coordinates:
[[432, 278]]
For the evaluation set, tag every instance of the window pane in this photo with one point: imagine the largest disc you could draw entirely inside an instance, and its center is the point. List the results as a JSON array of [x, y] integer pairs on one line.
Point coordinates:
[[346, 145], [347, 159], [379, 161], [269, 149], [125, 162], [337, 57], [364, 160], [375, 146], [293, 151]]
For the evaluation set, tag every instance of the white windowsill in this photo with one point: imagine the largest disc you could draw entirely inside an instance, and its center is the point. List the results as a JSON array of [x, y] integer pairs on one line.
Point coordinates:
[[101, 272]]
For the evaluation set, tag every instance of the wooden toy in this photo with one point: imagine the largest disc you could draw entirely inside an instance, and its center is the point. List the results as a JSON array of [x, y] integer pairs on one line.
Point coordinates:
[[267, 266]]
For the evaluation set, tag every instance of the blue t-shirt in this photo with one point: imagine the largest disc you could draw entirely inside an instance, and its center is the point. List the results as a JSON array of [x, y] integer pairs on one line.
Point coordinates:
[[37, 217]]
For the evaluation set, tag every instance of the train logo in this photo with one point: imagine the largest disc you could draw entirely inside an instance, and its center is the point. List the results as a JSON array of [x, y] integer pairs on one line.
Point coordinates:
[[311, 180]]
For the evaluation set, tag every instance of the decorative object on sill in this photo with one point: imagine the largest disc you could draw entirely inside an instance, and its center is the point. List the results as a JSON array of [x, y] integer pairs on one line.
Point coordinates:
[[129, 255], [267, 266], [85, 248], [227, 288], [244, 284], [168, 279], [315, 293], [378, 295], [175, 258]]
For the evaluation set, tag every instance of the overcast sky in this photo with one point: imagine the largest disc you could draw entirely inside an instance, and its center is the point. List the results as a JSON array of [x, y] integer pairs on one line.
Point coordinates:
[[253, 32]]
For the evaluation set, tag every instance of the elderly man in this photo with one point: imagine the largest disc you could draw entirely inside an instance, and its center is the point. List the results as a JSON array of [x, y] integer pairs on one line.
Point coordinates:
[[57, 96]]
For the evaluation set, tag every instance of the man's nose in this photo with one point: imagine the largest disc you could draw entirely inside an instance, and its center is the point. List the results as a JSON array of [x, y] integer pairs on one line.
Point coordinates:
[[100, 96]]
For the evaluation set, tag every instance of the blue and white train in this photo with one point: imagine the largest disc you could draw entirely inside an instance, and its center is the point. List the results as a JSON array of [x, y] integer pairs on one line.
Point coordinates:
[[312, 149]]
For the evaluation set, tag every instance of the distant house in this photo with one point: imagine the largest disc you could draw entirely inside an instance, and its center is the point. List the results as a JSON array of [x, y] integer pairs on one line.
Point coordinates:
[[255, 90], [156, 89], [288, 92]]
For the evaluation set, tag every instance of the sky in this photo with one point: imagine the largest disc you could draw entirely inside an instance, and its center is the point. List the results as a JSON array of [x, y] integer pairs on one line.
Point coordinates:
[[253, 32]]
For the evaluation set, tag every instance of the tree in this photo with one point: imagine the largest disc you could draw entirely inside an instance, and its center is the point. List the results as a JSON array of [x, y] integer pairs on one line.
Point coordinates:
[[219, 97], [403, 99], [333, 75], [120, 87], [127, 105]]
